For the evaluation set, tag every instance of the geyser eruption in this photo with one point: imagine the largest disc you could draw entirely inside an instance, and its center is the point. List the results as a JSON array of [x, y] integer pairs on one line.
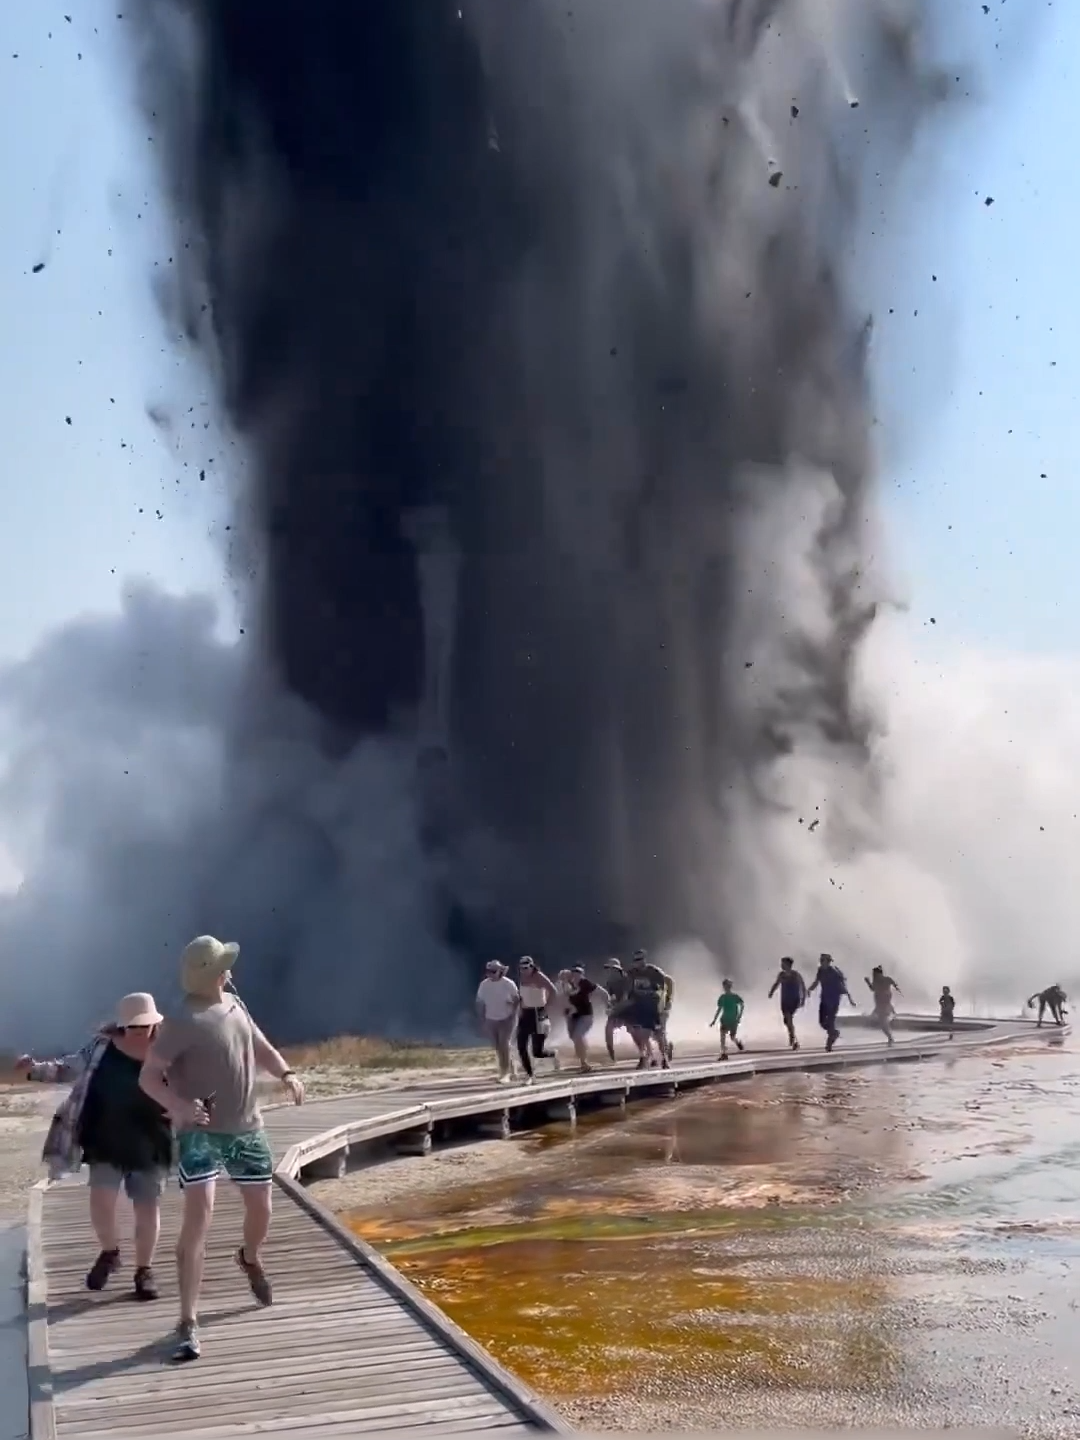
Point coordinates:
[[573, 279], [539, 327]]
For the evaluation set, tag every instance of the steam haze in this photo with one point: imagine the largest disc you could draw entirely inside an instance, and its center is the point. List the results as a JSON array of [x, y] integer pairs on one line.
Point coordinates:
[[556, 532]]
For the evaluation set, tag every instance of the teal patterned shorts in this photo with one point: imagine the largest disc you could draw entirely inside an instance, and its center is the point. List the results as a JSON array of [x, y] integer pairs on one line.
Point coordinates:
[[204, 1154]]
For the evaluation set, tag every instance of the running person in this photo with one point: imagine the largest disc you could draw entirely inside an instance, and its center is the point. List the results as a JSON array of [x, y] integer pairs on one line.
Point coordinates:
[[537, 993], [211, 1048], [580, 996], [792, 989], [1053, 999], [729, 1011], [833, 987], [946, 1009], [125, 1139], [618, 987], [651, 990], [498, 1001], [883, 987]]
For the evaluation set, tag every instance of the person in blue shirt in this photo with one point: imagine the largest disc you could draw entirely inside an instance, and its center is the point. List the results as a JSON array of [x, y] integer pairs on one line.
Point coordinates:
[[830, 981], [792, 989]]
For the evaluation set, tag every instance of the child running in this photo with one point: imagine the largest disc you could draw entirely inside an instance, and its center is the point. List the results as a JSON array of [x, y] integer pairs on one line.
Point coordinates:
[[792, 989], [947, 1009], [729, 1011]]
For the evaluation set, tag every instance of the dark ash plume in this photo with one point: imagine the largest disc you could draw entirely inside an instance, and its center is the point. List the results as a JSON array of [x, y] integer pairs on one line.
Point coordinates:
[[566, 290], [537, 324]]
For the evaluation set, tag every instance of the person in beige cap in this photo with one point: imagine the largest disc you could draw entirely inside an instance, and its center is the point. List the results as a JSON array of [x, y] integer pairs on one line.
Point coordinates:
[[108, 1123], [202, 1067]]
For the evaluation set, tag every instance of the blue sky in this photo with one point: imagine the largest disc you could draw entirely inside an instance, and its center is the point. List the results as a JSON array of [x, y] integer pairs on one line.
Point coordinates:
[[978, 389]]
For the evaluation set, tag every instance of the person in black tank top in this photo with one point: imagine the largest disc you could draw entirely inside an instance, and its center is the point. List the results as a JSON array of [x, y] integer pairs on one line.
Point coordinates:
[[581, 995], [122, 1136]]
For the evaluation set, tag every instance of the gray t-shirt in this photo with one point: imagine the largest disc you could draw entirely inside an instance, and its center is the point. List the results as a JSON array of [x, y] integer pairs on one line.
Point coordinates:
[[208, 1049]]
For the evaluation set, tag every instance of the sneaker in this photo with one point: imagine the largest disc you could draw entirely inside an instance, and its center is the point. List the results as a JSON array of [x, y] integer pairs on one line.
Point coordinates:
[[503, 1080], [187, 1343], [145, 1285], [834, 1035], [528, 1080], [739, 1045], [106, 1264], [257, 1278]]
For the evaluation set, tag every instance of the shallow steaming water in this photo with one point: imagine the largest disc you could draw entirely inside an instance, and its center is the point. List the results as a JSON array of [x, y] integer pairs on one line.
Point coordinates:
[[894, 1244]]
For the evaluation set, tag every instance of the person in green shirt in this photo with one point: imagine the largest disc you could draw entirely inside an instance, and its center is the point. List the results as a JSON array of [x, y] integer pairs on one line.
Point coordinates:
[[729, 1011]]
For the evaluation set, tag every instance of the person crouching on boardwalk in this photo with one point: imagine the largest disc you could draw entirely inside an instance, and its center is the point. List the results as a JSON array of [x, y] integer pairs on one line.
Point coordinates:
[[1053, 999], [792, 989], [124, 1137], [534, 1024], [947, 1010], [202, 1066], [729, 1011], [498, 1001], [581, 994]]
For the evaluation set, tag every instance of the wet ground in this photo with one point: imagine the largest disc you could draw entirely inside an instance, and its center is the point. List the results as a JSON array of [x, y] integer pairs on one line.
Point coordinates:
[[894, 1245]]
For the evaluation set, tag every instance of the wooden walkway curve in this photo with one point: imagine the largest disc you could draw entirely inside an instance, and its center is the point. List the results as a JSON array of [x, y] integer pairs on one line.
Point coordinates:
[[349, 1347]]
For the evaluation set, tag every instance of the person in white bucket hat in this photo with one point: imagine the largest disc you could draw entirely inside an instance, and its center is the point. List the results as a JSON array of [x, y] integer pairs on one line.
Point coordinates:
[[110, 1124], [202, 1067]]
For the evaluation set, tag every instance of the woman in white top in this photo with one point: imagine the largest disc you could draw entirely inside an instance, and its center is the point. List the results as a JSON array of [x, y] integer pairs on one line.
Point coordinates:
[[534, 1026], [497, 1004]]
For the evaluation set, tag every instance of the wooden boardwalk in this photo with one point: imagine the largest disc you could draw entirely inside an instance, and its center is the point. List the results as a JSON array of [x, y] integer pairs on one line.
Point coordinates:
[[349, 1346]]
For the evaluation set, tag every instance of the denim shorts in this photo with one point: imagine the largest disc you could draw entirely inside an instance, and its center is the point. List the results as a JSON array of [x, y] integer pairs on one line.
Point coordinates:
[[205, 1154], [140, 1186]]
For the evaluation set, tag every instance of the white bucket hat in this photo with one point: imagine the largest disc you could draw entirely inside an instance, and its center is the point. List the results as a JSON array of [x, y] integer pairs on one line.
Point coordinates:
[[136, 1010], [203, 963]]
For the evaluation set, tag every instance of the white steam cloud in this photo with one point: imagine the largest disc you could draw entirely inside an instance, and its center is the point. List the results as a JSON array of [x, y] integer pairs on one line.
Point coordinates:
[[118, 810]]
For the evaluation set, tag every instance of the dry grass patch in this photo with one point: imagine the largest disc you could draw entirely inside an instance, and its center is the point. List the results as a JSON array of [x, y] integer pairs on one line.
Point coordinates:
[[365, 1052]]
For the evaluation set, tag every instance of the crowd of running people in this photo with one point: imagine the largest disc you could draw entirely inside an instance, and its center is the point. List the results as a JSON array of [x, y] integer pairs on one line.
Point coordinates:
[[638, 997]]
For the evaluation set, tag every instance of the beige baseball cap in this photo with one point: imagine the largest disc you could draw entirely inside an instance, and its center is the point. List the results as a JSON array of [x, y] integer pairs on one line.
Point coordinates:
[[204, 961]]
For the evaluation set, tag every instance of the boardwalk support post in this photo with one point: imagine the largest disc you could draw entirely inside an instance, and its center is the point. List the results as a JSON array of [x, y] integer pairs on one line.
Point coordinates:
[[327, 1167], [414, 1142], [495, 1126], [564, 1110]]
